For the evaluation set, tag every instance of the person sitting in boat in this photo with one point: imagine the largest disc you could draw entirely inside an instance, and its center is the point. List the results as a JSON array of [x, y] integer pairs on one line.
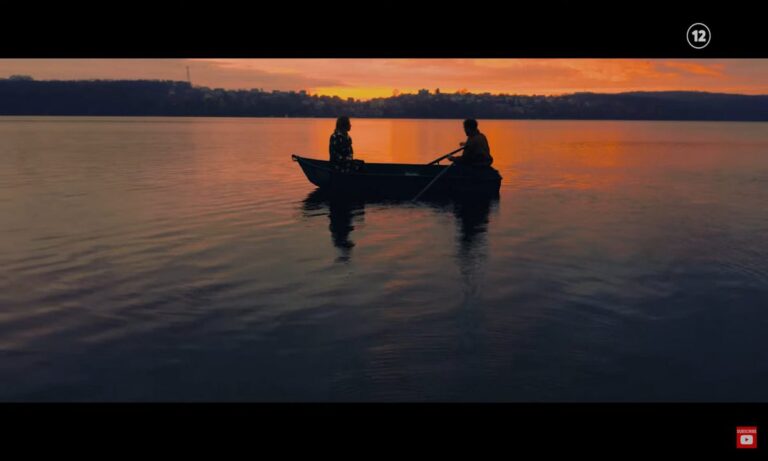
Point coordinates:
[[476, 149], [340, 147]]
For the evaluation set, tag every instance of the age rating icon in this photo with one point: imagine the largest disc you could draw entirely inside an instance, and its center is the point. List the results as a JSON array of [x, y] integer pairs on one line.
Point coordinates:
[[746, 437], [698, 35]]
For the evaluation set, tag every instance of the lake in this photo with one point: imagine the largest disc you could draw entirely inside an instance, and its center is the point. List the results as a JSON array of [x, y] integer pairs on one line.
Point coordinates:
[[189, 259]]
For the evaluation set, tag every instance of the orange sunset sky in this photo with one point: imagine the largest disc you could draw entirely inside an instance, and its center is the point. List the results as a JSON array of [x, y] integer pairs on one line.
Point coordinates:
[[370, 78]]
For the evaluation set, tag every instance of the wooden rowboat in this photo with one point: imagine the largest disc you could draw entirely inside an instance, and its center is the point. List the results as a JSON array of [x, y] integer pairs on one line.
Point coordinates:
[[401, 179]]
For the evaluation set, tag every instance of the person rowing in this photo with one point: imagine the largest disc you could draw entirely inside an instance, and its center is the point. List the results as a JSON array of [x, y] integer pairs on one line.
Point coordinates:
[[477, 152]]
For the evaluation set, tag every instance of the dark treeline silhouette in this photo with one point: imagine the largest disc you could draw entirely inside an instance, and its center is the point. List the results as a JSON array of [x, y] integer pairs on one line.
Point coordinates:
[[21, 95]]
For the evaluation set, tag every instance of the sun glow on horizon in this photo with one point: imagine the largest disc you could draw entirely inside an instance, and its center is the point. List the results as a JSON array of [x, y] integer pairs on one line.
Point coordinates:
[[366, 79]]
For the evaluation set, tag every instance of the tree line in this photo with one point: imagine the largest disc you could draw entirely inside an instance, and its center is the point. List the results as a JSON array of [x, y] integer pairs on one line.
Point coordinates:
[[22, 95]]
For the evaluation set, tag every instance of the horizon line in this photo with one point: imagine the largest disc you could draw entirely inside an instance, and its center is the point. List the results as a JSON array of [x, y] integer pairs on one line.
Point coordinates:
[[21, 78]]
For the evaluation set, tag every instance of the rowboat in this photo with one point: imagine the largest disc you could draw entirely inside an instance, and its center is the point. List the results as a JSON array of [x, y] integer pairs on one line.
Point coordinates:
[[401, 179]]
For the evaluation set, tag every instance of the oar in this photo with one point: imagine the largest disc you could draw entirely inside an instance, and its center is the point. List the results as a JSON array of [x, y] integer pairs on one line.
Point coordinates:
[[433, 181], [444, 156]]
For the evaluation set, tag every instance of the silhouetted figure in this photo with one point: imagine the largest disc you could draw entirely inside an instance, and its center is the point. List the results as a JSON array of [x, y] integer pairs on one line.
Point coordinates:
[[340, 147], [477, 152]]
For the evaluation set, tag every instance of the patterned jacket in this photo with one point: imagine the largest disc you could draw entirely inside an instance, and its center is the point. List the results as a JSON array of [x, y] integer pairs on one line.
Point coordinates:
[[340, 147]]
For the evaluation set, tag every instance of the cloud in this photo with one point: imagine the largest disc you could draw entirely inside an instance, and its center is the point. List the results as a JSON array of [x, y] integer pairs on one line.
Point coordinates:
[[379, 77], [210, 73], [711, 70]]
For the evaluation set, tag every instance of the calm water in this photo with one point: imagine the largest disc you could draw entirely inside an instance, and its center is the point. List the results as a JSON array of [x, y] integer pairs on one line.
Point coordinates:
[[190, 259]]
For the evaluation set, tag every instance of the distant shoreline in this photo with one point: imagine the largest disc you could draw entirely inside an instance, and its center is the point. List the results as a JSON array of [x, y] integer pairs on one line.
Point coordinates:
[[150, 98], [8, 116]]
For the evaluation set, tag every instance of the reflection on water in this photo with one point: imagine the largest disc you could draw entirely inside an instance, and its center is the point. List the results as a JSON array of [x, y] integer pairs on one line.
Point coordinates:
[[341, 211], [472, 218], [471, 213], [190, 259]]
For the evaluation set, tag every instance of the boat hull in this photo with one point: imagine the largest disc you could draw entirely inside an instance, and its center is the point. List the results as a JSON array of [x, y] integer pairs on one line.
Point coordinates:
[[400, 179]]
